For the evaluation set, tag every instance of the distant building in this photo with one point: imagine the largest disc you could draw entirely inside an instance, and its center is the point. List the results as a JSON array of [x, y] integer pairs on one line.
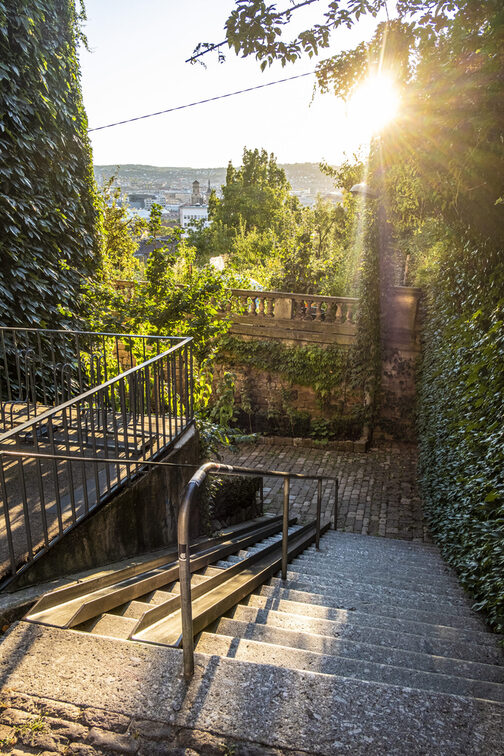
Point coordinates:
[[189, 214], [196, 209], [137, 201]]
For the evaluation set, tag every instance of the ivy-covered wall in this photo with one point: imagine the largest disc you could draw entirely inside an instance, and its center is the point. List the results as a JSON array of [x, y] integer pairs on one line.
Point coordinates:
[[461, 419], [47, 206], [288, 390]]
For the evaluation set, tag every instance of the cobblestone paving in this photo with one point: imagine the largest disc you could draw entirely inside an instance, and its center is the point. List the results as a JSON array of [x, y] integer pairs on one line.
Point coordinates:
[[32, 725], [378, 494]]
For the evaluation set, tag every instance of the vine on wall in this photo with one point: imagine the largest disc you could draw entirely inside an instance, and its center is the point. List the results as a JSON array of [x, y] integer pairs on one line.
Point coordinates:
[[326, 370], [461, 396], [48, 212]]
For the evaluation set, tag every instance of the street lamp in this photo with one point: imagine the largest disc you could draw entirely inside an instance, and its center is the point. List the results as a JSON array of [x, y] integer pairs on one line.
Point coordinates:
[[363, 190]]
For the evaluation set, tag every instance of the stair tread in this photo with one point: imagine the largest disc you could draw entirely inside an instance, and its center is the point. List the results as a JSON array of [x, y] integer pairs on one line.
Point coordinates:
[[360, 651], [443, 583], [345, 630], [377, 621], [450, 594], [385, 562], [245, 649], [365, 592], [113, 626], [371, 605]]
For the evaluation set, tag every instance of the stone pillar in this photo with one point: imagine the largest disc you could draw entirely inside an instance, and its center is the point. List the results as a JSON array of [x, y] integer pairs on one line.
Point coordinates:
[[283, 308]]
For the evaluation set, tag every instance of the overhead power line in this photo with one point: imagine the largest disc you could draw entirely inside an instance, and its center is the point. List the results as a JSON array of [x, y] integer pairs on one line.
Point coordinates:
[[202, 102]]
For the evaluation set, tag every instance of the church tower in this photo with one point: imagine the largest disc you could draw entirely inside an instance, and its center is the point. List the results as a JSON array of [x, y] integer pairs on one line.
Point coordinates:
[[196, 197]]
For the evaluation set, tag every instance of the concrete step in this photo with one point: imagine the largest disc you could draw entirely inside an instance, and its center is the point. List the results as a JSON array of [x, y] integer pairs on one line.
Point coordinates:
[[378, 543], [371, 605], [362, 652], [393, 639], [415, 627], [212, 571], [195, 580], [133, 609], [159, 597], [248, 650], [387, 567], [112, 626], [372, 593], [408, 580], [262, 704], [385, 549], [375, 560]]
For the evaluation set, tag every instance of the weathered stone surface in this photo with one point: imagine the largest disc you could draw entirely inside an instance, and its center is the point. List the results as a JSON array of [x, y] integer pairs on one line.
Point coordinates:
[[70, 730], [294, 711], [152, 730], [108, 720], [112, 742], [81, 749]]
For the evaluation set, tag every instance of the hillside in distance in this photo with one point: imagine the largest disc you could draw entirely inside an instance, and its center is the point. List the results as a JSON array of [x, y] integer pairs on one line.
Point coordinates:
[[302, 177]]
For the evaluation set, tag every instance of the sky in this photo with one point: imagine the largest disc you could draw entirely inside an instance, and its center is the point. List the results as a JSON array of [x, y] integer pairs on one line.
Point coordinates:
[[136, 65]]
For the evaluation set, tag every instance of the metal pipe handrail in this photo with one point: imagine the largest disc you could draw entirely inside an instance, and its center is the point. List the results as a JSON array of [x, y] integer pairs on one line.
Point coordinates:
[[93, 333], [184, 544], [91, 392]]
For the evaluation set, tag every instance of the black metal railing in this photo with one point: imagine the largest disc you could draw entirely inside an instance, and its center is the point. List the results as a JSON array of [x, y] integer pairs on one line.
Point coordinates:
[[132, 417], [40, 368], [184, 543]]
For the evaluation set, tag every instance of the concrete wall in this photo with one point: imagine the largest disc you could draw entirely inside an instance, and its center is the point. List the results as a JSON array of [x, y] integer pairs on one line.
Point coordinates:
[[141, 518]]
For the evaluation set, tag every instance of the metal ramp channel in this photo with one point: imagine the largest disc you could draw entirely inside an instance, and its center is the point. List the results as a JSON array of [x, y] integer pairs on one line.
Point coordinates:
[[142, 602]]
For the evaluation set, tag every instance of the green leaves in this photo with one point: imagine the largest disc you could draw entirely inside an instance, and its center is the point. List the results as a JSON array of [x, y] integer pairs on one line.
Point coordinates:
[[461, 407], [48, 210]]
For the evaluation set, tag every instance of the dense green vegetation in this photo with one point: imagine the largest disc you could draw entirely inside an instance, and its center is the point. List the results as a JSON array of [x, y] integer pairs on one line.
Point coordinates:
[[48, 213], [264, 233]]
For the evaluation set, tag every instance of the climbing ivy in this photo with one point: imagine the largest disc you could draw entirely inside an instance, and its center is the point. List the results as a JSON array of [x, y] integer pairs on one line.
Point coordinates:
[[461, 398], [48, 213], [324, 369]]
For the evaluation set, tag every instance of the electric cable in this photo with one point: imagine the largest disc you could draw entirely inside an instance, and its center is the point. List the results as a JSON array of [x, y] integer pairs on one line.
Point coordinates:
[[202, 102]]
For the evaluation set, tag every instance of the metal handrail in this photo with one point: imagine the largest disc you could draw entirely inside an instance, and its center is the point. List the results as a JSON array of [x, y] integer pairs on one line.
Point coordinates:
[[91, 392], [184, 537], [137, 413]]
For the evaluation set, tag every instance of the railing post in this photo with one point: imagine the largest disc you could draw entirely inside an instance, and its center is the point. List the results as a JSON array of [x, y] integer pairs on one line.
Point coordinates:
[[184, 558], [335, 512], [319, 510], [285, 529]]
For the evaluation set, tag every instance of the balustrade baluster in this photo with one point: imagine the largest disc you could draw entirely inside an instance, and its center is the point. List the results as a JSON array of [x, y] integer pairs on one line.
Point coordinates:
[[261, 307], [318, 311], [252, 306]]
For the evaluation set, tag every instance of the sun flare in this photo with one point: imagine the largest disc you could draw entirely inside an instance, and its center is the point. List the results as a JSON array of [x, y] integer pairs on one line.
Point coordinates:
[[374, 104]]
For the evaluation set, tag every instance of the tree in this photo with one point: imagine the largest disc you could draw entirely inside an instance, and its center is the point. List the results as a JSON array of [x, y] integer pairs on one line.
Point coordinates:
[[120, 234], [255, 196], [48, 207]]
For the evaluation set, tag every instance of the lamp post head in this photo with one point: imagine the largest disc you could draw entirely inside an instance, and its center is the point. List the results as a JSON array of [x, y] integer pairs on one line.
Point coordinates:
[[363, 190]]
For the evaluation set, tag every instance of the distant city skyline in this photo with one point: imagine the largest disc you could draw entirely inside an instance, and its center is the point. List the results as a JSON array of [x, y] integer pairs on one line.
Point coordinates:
[[136, 66]]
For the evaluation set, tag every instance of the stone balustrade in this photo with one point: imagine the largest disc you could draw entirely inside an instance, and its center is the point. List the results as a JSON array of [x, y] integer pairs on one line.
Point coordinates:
[[311, 318], [289, 306]]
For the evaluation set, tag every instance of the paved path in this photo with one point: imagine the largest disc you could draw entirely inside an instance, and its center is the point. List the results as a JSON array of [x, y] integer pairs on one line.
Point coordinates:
[[377, 491]]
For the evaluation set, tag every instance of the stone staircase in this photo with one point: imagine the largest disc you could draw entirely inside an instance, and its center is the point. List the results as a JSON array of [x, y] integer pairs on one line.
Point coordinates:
[[369, 647], [369, 609]]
